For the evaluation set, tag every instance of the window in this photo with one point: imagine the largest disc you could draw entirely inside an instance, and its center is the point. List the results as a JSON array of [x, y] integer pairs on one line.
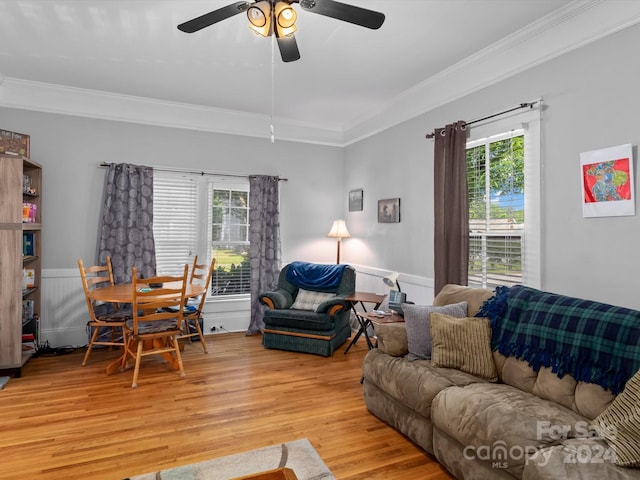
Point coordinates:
[[206, 216], [503, 174], [230, 240], [495, 176]]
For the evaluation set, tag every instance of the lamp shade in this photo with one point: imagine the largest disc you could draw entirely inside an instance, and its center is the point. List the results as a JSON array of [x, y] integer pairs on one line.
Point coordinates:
[[339, 230], [392, 280]]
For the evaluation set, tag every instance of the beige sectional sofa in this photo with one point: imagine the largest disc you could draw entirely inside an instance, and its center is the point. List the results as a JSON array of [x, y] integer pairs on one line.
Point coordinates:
[[527, 425]]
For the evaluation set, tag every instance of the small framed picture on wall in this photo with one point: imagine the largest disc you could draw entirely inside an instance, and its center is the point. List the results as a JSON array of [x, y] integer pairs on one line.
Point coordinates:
[[355, 200], [389, 210]]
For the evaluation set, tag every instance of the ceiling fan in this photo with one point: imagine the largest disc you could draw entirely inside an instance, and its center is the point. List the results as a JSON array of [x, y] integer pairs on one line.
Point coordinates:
[[267, 17]]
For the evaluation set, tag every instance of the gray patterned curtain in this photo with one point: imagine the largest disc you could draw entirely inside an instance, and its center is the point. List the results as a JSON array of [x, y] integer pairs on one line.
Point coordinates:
[[126, 224], [451, 206], [264, 235]]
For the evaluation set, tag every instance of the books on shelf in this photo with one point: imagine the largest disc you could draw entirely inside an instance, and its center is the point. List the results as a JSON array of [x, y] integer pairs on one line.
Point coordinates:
[[29, 212], [28, 278], [28, 244], [29, 342], [28, 310]]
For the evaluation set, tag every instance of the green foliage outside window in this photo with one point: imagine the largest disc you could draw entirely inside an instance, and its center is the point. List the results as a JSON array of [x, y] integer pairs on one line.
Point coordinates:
[[230, 237], [506, 158]]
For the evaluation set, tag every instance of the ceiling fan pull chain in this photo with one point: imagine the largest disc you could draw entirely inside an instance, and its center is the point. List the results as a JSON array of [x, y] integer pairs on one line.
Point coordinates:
[[273, 66]]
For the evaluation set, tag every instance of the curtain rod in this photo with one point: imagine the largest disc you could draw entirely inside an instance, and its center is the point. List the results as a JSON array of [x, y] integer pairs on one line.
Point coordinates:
[[201, 172], [519, 107]]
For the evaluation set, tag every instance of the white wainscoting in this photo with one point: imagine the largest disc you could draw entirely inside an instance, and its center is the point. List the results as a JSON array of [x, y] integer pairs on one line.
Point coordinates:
[[64, 314], [418, 289]]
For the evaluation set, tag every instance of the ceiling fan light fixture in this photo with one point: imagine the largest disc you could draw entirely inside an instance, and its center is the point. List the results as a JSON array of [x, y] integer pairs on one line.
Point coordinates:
[[285, 19], [259, 15]]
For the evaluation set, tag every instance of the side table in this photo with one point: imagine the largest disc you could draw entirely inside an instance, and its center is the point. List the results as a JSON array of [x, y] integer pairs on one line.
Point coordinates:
[[362, 298], [373, 319]]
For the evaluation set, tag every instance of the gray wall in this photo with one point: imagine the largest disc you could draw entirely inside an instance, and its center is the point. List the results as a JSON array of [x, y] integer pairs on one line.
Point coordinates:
[[592, 101], [71, 149]]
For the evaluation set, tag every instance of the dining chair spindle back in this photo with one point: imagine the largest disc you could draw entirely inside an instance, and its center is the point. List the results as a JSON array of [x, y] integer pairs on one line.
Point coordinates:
[[157, 317], [200, 274], [102, 315]]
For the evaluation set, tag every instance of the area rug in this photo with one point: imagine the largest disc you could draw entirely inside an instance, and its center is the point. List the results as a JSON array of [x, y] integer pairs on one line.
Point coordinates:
[[298, 455]]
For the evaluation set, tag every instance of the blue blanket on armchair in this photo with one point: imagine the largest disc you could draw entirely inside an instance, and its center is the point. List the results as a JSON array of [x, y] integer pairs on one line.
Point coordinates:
[[592, 341], [312, 275]]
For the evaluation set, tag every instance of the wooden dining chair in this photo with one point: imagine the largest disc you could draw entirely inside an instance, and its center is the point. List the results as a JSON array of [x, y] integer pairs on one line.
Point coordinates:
[[200, 274], [102, 315], [157, 316]]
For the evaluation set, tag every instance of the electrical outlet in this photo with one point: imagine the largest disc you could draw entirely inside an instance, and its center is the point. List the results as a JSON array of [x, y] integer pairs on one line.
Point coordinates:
[[218, 327]]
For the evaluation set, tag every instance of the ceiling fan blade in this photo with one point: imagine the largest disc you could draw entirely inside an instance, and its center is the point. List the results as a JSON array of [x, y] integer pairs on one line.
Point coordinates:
[[216, 16], [344, 12], [288, 48]]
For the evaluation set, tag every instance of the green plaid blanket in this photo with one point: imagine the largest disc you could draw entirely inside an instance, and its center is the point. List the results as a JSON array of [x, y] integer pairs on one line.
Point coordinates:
[[592, 341]]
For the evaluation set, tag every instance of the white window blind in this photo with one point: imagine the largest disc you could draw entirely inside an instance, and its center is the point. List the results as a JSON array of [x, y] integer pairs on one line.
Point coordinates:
[[175, 220]]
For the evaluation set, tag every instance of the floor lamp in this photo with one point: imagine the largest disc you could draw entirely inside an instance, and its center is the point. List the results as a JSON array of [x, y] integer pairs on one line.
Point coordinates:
[[338, 231]]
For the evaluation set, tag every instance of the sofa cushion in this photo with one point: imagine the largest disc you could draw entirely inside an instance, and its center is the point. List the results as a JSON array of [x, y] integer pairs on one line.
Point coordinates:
[[392, 338], [586, 399], [619, 424], [300, 319], [517, 373], [579, 459], [492, 419], [463, 343], [591, 399], [551, 387], [474, 297], [310, 300], [413, 384], [416, 318]]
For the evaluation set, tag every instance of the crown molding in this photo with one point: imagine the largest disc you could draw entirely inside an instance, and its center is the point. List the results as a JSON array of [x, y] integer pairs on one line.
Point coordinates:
[[44, 97], [577, 24]]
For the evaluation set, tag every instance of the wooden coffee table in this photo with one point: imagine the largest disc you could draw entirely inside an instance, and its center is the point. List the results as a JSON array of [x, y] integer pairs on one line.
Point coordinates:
[[277, 474]]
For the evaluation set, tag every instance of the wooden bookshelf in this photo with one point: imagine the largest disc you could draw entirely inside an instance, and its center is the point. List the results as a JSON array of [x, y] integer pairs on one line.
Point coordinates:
[[14, 194]]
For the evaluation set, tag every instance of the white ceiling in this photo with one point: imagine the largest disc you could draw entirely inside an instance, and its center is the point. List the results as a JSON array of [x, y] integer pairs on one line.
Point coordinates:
[[220, 78]]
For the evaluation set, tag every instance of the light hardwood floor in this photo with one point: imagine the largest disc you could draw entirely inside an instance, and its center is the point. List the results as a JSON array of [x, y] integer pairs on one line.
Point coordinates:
[[62, 420]]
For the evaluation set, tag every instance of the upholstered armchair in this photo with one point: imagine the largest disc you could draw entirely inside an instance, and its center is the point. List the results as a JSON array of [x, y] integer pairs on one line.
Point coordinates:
[[308, 312]]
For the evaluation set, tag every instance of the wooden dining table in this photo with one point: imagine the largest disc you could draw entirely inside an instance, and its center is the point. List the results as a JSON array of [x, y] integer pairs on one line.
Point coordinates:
[[123, 293]]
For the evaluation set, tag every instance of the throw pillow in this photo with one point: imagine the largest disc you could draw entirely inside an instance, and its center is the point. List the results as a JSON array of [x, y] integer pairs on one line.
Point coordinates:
[[310, 300], [619, 424], [463, 343], [416, 318]]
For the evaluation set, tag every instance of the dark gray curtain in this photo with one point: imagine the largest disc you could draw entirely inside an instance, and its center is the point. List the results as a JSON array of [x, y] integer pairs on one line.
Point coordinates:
[[126, 224], [451, 204], [264, 235]]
